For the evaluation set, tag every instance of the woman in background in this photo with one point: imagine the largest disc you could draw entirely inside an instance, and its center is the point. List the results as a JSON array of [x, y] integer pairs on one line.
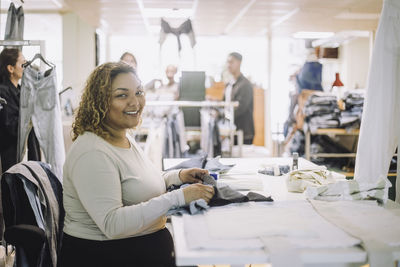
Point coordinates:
[[11, 70]]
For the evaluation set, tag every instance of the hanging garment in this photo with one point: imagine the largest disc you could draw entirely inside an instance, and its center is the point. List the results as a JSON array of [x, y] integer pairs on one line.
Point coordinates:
[[9, 118], [380, 125], [185, 27], [15, 23], [32, 194], [172, 144], [40, 104]]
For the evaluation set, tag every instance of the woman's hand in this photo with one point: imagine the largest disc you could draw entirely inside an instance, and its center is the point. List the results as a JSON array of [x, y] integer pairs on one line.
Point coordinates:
[[194, 175], [198, 191]]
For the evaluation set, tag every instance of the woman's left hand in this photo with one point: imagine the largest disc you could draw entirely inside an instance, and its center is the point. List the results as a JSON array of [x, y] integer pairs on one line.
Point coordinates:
[[193, 175]]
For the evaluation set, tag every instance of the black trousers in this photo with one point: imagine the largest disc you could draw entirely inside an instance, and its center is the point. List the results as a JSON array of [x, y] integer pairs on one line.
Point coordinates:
[[156, 249]]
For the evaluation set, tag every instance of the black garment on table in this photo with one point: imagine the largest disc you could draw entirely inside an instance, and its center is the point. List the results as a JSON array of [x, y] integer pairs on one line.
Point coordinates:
[[225, 195], [155, 250], [9, 120]]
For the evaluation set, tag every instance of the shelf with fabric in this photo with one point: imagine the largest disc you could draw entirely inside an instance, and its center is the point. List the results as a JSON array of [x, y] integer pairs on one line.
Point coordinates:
[[329, 132]]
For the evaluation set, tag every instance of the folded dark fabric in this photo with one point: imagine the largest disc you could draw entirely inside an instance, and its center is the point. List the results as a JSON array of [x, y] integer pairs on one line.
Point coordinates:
[[224, 195], [321, 100], [317, 110]]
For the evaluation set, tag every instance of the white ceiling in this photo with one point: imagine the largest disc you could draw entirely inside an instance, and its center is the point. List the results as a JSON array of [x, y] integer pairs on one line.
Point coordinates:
[[215, 17]]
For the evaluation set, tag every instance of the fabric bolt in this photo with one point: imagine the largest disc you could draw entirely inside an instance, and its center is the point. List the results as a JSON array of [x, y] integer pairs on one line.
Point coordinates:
[[377, 227], [300, 180], [14, 23], [380, 127], [39, 104], [351, 190]]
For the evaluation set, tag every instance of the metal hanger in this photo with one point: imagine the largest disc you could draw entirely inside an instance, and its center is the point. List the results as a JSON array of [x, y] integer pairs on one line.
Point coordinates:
[[38, 56]]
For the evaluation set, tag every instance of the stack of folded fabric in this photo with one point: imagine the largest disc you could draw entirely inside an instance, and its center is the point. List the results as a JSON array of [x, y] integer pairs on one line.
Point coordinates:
[[300, 180], [321, 111], [351, 117]]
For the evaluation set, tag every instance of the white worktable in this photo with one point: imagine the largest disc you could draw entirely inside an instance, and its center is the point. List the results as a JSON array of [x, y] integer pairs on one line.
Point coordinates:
[[276, 187]]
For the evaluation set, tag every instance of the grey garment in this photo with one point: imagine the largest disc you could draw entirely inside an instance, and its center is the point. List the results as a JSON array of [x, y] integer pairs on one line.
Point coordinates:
[[212, 165], [35, 174], [194, 207], [14, 23], [172, 144], [39, 103]]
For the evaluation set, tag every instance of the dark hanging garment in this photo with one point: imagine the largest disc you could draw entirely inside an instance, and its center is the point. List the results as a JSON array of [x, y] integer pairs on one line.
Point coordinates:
[[9, 119], [185, 28]]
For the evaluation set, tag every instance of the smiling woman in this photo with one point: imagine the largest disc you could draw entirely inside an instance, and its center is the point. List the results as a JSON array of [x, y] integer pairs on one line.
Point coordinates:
[[115, 200]]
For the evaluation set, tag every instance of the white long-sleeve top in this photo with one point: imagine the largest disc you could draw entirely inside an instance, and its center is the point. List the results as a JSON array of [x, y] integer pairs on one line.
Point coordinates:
[[114, 193]]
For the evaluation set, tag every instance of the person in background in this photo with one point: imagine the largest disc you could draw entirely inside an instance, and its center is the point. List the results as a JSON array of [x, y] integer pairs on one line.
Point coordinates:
[[115, 200], [171, 89], [240, 89], [11, 70], [129, 59]]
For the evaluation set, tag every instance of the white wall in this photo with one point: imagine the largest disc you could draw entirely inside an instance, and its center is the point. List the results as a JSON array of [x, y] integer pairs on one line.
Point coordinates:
[[355, 58], [78, 53]]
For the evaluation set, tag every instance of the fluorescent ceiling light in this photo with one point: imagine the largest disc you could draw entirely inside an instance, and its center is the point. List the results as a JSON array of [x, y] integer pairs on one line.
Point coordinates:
[[167, 12], [360, 16], [312, 35]]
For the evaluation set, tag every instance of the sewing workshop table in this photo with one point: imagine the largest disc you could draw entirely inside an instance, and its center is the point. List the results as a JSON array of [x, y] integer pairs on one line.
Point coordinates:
[[276, 187]]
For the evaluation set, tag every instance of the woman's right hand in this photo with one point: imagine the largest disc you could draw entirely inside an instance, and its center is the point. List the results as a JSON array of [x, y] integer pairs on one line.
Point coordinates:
[[197, 191]]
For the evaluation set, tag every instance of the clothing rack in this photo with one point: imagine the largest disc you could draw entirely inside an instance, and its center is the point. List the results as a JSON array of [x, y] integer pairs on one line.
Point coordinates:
[[13, 43], [230, 106]]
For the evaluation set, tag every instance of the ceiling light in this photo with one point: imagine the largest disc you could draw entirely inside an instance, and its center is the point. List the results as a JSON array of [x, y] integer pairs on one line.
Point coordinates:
[[167, 12], [312, 35], [353, 15]]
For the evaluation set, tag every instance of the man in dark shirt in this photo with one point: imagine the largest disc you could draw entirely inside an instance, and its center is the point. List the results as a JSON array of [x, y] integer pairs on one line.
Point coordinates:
[[241, 90]]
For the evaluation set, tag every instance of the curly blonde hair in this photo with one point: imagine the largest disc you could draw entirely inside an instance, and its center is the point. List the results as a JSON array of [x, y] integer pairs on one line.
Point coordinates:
[[95, 101]]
